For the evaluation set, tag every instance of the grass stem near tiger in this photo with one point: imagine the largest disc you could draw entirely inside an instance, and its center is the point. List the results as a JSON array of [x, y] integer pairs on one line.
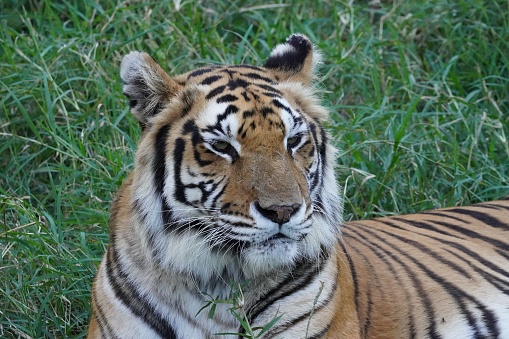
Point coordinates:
[[416, 94]]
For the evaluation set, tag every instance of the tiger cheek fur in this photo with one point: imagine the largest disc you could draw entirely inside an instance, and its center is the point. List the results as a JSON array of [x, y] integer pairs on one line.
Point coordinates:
[[234, 182]]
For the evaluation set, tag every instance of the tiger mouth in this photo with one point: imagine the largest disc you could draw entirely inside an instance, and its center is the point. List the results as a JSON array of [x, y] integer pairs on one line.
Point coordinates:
[[284, 238]]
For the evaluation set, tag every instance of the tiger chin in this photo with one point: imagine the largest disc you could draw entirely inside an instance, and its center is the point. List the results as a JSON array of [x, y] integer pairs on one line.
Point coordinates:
[[234, 182]]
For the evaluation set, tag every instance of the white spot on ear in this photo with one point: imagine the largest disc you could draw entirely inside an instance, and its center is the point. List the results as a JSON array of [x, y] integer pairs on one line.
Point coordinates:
[[131, 66], [281, 49]]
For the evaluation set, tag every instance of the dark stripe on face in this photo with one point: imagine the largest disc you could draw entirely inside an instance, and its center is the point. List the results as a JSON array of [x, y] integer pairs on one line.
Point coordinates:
[[211, 79], [245, 96], [269, 88], [191, 128], [219, 195], [231, 109], [159, 165], [248, 67], [215, 91], [256, 76], [234, 84], [159, 168], [178, 156], [226, 98], [188, 101], [131, 297], [201, 71], [266, 111], [280, 105], [321, 160]]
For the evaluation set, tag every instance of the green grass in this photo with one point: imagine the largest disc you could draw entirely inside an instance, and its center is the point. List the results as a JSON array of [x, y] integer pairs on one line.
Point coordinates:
[[417, 90]]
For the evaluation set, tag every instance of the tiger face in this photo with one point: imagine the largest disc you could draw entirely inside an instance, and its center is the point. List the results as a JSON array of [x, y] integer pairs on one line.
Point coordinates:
[[234, 170]]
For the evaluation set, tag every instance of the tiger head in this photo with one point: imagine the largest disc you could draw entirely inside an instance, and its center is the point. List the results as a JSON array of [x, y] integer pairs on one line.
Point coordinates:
[[234, 171]]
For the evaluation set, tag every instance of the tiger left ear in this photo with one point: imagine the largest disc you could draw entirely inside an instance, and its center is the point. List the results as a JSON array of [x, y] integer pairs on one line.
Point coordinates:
[[147, 86], [294, 60]]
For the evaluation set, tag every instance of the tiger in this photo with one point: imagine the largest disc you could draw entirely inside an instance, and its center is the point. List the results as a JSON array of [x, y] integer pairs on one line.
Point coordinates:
[[234, 184]]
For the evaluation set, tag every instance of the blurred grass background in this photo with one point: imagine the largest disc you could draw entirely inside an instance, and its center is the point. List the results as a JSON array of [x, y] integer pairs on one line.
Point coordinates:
[[417, 90]]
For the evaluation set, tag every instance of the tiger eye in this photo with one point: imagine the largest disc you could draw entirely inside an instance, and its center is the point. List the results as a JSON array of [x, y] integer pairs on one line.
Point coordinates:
[[221, 145], [293, 141]]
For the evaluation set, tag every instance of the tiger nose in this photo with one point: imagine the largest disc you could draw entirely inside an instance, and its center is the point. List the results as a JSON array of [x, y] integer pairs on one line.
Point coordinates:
[[279, 214]]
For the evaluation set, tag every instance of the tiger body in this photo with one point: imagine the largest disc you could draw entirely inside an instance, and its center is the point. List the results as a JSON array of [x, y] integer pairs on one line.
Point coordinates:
[[438, 274], [234, 182]]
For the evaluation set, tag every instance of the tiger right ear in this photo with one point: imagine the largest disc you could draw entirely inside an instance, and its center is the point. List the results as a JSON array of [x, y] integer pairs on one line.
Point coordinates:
[[294, 60], [147, 86]]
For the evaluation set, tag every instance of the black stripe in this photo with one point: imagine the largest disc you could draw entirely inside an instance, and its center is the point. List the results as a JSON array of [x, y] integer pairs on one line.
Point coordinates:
[[231, 109], [475, 256], [307, 315], [159, 168], [503, 253], [201, 71], [211, 79], [129, 295], [178, 156], [248, 67], [321, 159], [321, 333], [187, 99], [390, 266], [271, 95], [442, 213], [191, 128], [424, 248], [104, 326], [300, 277], [487, 206], [215, 92], [501, 284], [220, 194], [226, 98], [159, 164], [279, 104], [423, 295], [494, 205], [456, 293], [474, 235], [269, 88], [481, 216], [234, 84], [354, 275], [257, 76], [468, 233]]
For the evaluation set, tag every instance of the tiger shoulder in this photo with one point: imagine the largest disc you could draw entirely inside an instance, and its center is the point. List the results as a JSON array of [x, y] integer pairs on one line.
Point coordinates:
[[233, 197]]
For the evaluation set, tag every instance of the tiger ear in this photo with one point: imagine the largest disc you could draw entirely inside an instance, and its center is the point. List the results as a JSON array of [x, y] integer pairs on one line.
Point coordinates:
[[147, 86], [294, 60]]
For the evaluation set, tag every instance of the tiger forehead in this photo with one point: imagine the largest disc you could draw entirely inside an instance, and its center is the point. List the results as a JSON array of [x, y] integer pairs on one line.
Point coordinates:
[[242, 75], [250, 82], [247, 92]]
